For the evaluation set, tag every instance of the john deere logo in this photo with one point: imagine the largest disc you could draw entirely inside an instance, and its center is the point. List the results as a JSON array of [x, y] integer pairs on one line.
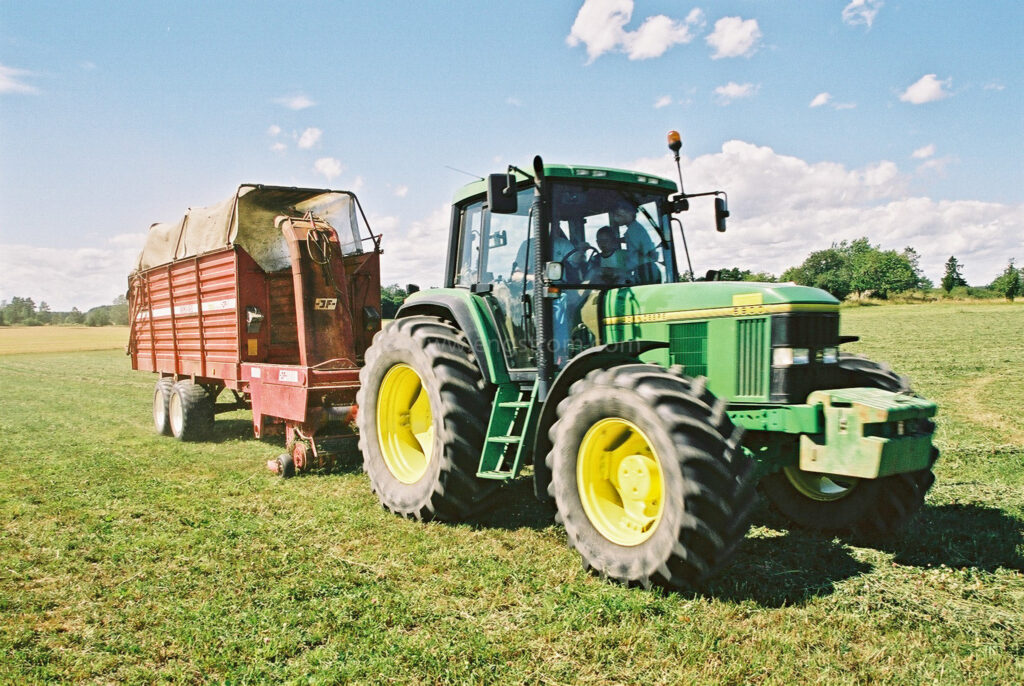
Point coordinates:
[[326, 304]]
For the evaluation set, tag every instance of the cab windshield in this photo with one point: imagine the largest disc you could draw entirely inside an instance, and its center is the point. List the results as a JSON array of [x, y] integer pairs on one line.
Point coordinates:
[[606, 236]]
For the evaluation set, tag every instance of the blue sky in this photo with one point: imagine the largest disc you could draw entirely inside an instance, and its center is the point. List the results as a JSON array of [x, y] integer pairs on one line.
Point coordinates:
[[902, 121]]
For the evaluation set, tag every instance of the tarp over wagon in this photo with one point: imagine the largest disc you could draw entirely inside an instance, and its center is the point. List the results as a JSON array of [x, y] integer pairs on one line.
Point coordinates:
[[246, 219]]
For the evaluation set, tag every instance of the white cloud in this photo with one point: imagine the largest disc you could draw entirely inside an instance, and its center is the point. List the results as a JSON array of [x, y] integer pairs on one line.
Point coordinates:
[[273, 130], [278, 147], [414, 253], [734, 37], [69, 277], [357, 185], [515, 102], [11, 81], [924, 152], [784, 207], [994, 86], [601, 26], [401, 191], [295, 102], [328, 166], [861, 12], [735, 91], [663, 101], [820, 99], [309, 138], [927, 89]]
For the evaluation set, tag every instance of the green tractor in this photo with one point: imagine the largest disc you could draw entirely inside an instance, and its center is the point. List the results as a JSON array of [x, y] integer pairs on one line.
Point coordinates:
[[648, 406]]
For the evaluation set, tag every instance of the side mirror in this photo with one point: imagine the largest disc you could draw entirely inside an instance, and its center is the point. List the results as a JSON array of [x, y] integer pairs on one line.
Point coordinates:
[[501, 194], [411, 288], [721, 212]]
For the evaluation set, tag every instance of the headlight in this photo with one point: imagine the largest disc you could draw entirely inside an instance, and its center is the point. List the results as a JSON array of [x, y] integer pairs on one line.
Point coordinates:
[[787, 357], [830, 355]]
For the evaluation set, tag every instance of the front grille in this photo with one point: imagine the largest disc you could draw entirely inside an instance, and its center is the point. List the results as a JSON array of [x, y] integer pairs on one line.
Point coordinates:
[[750, 355]]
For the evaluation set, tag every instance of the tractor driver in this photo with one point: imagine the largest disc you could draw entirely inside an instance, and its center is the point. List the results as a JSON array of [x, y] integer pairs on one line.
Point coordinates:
[[642, 254], [613, 260]]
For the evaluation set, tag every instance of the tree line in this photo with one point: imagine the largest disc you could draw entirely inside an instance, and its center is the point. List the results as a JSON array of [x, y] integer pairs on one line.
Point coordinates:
[[845, 268], [26, 312], [857, 267]]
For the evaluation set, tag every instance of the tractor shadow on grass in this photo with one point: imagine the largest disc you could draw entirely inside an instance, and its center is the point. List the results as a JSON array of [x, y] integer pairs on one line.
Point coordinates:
[[773, 569], [776, 565], [959, 535]]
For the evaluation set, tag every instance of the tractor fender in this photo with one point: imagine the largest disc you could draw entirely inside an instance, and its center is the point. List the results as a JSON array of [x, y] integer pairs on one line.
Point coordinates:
[[599, 357], [459, 308]]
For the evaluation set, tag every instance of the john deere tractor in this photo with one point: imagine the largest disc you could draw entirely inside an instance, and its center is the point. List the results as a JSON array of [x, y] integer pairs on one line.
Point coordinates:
[[648, 406]]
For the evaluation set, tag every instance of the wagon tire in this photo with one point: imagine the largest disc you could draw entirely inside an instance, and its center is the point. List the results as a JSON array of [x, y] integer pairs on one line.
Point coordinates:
[[679, 502], [161, 398], [190, 411], [871, 509], [423, 414]]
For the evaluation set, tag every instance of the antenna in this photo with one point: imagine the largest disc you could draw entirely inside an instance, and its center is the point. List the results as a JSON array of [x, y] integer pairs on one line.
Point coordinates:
[[480, 178]]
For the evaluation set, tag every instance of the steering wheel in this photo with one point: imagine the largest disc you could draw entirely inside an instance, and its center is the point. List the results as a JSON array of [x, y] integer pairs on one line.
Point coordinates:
[[590, 260]]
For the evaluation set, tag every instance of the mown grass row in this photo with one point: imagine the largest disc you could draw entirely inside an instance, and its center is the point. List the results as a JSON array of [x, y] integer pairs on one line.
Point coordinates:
[[125, 556]]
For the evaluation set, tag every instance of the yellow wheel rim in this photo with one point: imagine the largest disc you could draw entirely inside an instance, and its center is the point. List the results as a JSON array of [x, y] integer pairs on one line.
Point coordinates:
[[619, 479], [820, 487], [405, 424]]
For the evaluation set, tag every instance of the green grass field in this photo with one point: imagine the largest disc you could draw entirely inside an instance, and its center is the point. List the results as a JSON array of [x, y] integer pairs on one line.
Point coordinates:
[[128, 557]]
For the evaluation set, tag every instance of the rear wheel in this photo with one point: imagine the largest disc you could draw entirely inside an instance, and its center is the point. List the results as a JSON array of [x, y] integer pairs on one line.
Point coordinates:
[[423, 413], [161, 400], [648, 476], [190, 411], [872, 508]]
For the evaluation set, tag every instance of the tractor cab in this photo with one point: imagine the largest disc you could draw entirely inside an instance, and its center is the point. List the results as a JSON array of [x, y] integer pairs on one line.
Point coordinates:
[[559, 240]]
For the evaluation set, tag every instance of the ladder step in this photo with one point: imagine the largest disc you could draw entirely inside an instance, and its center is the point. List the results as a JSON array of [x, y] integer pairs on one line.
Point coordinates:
[[504, 439], [515, 404], [494, 475]]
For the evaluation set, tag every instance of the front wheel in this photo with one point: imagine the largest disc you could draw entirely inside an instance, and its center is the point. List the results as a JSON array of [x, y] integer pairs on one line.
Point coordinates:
[[423, 413], [648, 476], [872, 508]]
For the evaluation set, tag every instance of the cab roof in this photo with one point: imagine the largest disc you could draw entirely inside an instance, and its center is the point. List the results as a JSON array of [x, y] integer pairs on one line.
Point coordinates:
[[582, 172]]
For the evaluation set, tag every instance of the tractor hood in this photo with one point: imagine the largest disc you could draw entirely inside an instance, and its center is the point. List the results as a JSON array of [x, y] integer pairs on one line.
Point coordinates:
[[705, 300]]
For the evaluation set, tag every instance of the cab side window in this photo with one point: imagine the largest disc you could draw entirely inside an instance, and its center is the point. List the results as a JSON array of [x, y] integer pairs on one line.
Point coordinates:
[[470, 235]]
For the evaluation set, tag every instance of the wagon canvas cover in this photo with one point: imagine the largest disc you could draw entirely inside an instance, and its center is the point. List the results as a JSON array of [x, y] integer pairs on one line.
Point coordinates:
[[246, 219]]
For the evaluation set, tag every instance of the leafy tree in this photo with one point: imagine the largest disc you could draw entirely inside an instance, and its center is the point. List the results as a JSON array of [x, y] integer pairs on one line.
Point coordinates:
[[98, 316], [44, 316], [74, 316], [19, 310], [859, 267], [737, 274], [827, 269], [119, 311], [952, 278], [1009, 283], [391, 298]]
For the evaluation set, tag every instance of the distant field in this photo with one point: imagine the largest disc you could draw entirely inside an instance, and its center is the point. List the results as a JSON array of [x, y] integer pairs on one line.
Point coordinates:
[[128, 557], [60, 339]]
